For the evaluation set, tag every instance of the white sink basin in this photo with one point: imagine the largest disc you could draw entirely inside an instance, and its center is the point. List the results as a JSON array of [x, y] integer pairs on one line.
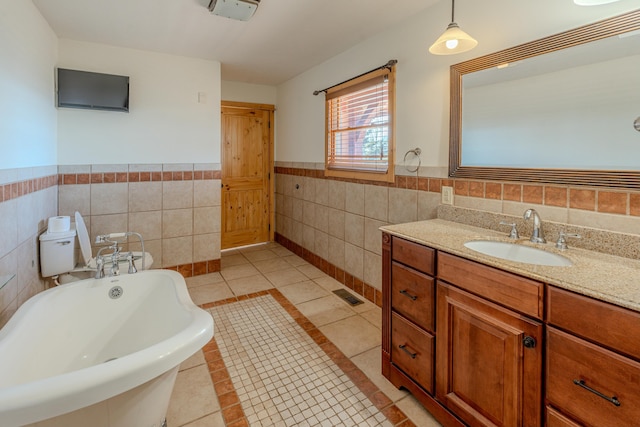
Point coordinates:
[[518, 253]]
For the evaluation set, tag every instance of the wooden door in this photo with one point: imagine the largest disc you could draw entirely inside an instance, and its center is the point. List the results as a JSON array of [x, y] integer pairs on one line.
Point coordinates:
[[247, 166], [486, 372]]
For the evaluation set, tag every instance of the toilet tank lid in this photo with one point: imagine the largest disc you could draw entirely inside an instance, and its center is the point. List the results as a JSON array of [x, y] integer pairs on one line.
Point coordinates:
[[46, 236]]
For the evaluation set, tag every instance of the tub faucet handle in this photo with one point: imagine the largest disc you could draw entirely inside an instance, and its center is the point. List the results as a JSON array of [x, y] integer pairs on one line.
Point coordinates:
[[115, 258], [99, 267], [132, 266]]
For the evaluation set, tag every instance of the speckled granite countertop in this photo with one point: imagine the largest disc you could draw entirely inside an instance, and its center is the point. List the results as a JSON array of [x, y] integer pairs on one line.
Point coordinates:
[[605, 277]]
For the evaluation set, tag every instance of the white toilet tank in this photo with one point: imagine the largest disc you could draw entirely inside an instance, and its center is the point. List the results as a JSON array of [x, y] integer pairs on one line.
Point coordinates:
[[57, 252]]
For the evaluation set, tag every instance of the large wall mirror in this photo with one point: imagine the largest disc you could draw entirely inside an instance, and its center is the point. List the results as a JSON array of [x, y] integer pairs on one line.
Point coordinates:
[[557, 110]]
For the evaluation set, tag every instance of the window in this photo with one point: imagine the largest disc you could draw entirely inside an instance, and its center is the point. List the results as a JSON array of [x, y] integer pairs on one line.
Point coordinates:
[[360, 127]]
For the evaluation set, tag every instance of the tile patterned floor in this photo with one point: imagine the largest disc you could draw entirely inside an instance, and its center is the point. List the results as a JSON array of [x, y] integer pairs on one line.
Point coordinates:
[[281, 375], [286, 351]]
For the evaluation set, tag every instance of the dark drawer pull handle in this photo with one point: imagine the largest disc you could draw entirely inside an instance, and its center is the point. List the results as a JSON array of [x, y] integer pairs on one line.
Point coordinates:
[[613, 399], [403, 347], [408, 295]]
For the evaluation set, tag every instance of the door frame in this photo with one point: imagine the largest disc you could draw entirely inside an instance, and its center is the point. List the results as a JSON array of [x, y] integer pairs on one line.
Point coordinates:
[[270, 108]]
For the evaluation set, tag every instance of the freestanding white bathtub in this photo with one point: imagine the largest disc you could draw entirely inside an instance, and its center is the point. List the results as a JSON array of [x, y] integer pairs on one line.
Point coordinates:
[[99, 352]]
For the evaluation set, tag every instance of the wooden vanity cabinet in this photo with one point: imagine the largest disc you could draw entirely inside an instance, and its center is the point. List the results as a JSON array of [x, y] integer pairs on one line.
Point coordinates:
[[478, 362], [592, 362], [467, 340]]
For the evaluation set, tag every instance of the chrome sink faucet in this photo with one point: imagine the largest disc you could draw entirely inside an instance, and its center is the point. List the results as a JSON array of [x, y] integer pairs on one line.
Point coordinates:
[[537, 236]]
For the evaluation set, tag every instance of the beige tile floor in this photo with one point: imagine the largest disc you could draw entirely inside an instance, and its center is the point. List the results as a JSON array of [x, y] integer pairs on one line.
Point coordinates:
[[247, 270]]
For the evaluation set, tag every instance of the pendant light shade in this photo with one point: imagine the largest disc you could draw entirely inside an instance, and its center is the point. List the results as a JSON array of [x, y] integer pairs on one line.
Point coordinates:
[[453, 40]]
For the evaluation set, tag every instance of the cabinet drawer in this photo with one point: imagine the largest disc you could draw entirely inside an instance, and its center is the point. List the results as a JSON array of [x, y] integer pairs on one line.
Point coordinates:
[[412, 350], [604, 323], [516, 292], [556, 419], [414, 255], [570, 360], [412, 295]]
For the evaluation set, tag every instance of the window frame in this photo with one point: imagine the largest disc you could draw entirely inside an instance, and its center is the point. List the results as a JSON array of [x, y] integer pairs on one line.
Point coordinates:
[[357, 84]]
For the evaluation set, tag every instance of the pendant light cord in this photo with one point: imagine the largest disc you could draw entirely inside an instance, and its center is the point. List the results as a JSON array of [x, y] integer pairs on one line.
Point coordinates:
[[453, 8]]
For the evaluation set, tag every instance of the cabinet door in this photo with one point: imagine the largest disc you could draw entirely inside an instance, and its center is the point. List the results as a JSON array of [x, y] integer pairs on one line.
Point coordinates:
[[488, 361]]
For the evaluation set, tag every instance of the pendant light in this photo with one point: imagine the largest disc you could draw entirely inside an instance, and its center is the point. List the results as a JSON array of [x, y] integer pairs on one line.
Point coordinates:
[[453, 40]]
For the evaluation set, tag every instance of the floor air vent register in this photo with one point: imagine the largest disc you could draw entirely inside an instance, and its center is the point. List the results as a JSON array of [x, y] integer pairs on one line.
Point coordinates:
[[350, 299]]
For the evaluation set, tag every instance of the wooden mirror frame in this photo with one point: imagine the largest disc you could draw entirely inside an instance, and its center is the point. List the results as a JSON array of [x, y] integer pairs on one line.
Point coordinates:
[[624, 23]]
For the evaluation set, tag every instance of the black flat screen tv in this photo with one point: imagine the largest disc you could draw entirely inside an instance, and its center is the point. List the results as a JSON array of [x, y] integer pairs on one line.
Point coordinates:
[[95, 91]]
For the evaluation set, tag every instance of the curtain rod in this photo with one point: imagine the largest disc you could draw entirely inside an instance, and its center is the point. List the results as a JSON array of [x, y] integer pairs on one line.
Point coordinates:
[[388, 65]]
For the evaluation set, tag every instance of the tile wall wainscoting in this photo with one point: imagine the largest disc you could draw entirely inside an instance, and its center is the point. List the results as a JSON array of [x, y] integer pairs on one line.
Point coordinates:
[[28, 197], [333, 223], [176, 208]]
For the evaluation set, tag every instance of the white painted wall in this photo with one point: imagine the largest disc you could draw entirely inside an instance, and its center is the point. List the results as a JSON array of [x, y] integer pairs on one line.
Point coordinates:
[[166, 122], [28, 51], [247, 92], [422, 100]]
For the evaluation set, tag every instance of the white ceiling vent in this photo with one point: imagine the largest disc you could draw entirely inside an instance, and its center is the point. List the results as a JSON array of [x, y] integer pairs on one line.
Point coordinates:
[[240, 10]]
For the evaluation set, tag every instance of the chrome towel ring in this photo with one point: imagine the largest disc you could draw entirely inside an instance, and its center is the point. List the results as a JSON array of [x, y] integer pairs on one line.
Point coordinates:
[[416, 153]]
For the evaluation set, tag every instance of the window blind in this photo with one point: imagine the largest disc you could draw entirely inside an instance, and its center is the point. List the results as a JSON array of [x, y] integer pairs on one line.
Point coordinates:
[[358, 124]]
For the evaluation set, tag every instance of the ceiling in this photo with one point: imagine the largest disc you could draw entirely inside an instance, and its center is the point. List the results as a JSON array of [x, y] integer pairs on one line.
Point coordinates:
[[283, 39]]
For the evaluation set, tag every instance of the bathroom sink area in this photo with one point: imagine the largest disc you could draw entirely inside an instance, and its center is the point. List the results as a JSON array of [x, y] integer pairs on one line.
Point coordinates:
[[518, 253]]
